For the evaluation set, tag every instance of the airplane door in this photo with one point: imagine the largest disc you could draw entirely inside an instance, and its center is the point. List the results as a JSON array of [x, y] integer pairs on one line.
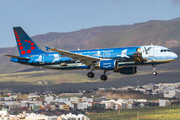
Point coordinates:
[[151, 52]]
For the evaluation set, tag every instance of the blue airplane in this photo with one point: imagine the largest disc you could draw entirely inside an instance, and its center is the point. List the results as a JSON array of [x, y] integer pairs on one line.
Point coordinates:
[[121, 60]]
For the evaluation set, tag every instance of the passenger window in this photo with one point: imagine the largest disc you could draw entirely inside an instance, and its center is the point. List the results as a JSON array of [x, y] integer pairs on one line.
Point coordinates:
[[161, 50], [165, 50]]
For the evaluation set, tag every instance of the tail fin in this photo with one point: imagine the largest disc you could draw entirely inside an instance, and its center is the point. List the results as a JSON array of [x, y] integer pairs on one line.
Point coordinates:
[[26, 45]]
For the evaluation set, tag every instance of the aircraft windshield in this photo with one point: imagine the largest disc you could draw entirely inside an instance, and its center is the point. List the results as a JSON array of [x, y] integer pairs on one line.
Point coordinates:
[[165, 50]]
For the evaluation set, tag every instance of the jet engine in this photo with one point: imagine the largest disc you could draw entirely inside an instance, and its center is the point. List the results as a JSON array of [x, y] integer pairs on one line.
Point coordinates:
[[108, 64], [127, 70]]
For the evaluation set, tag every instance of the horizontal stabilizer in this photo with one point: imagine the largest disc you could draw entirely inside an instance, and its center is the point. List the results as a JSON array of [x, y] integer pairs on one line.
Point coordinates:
[[12, 56]]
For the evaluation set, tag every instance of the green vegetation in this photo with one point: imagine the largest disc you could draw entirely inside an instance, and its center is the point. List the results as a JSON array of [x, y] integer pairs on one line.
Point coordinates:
[[146, 113], [51, 76], [58, 77], [5, 95], [128, 94]]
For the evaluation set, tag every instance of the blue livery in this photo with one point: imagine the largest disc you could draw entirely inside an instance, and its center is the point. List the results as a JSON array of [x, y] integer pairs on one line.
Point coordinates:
[[122, 60]]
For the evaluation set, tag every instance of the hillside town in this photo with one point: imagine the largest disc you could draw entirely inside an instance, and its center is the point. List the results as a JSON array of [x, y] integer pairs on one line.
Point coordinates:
[[76, 104]]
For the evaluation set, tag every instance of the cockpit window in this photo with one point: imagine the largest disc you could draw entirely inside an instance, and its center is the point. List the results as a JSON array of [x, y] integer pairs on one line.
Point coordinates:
[[165, 50]]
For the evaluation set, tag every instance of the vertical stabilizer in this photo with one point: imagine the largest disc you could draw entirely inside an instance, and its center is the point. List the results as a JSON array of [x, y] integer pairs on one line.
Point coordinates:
[[25, 44]]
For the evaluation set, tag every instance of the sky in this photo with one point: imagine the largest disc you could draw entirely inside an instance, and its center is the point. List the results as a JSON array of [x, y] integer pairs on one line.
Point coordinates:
[[43, 16]]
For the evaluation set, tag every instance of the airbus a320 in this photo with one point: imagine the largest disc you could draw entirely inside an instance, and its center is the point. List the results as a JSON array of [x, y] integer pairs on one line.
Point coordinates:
[[122, 60]]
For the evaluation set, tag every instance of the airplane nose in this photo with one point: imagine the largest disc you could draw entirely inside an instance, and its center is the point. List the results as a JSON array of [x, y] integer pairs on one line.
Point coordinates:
[[175, 55]]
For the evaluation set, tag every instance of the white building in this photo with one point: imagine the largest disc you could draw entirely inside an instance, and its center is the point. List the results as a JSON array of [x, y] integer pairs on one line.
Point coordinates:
[[4, 112], [49, 99], [8, 98], [74, 117], [163, 102], [140, 100], [83, 105], [32, 95], [34, 116], [170, 93]]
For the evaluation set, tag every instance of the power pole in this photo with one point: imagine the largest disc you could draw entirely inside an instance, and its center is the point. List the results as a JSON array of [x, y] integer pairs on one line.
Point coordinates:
[[12, 85], [137, 115]]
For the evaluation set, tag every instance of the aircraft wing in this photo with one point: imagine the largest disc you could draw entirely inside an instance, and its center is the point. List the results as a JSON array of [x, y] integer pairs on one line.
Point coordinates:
[[12, 56], [88, 60]]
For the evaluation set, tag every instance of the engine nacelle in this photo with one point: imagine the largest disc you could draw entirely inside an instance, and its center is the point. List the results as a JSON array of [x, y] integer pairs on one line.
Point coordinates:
[[109, 64], [128, 70]]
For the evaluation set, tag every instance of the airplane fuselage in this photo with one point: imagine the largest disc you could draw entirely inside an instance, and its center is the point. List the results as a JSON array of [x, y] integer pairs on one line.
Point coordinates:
[[124, 56]]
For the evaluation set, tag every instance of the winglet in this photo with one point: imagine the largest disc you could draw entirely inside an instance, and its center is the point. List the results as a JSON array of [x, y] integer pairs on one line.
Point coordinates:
[[47, 48]]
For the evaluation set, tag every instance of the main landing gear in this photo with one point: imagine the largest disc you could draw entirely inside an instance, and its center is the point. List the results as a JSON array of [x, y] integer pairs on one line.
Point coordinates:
[[154, 70], [91, 74], [104, 77]]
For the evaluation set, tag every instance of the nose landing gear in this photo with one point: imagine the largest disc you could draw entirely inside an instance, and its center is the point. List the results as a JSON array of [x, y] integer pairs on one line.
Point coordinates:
[[154, 73], [154, 70]]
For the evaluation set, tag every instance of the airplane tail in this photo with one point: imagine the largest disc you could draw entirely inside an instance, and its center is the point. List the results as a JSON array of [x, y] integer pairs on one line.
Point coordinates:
[[25, 44]]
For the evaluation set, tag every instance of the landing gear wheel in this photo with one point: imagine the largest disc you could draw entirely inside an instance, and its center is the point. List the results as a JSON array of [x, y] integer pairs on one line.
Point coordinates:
[[103, 77], [154, 73], [90, 74], [154, 70]]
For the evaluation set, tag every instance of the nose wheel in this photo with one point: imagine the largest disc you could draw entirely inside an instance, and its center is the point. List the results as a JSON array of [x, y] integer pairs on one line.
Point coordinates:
[[154, 70], [154, 73]]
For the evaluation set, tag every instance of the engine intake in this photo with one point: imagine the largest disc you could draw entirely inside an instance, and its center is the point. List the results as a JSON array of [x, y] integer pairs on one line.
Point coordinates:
[[109, 64], [128, 70]]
